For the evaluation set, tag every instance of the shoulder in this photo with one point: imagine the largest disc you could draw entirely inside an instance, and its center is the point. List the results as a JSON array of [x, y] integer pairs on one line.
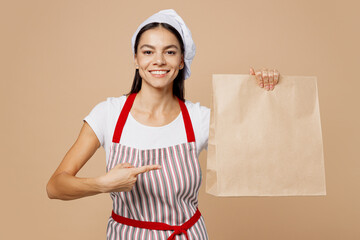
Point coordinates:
[[103, 117], [106, 110], [197, 111], [115, 102], [199, 114]]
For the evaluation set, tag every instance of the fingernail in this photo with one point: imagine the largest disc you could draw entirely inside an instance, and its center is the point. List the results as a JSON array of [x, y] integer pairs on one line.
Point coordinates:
[[261, 85]]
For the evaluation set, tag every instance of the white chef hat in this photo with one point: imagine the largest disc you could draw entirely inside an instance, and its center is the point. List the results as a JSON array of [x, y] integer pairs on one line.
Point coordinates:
[[169, 16]]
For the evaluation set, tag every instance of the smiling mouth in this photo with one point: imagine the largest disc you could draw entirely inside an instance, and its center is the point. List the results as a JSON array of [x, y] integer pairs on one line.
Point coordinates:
[[159, 74]]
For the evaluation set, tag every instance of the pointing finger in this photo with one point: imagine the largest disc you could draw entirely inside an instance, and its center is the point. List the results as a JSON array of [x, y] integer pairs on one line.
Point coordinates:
[[124, 165], [146, 168]]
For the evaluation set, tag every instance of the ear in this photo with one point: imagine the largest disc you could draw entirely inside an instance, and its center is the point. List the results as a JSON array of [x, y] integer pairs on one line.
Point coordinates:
[[182, 63], [135, 61]]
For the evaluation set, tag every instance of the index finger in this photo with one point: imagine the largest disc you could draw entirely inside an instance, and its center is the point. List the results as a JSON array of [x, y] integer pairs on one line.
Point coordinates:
[[259, 78], [146, 168]]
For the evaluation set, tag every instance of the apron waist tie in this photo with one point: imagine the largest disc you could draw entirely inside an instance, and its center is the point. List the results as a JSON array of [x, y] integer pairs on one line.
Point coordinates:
[[178, 230]]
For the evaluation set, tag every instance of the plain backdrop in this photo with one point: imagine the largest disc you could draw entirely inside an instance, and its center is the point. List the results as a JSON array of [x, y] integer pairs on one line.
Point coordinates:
[[58, 59]]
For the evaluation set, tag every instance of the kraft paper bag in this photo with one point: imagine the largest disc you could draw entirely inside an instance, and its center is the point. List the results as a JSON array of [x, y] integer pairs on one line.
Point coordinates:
[[265, 143]]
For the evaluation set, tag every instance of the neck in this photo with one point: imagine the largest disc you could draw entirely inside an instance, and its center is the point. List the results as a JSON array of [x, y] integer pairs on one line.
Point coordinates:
[[155, 100]]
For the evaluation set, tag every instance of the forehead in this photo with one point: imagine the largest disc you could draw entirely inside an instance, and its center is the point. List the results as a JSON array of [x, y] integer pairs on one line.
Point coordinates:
[[158, 37]]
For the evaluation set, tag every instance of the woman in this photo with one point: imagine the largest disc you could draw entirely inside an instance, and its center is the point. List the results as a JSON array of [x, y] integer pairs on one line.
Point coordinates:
[[152, 138]]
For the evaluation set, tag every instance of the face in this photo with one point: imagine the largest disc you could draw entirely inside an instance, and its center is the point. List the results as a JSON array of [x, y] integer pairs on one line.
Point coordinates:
[[159, 58]]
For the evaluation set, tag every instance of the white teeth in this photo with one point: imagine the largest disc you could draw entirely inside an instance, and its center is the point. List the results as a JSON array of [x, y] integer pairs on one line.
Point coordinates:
[[158, 72]]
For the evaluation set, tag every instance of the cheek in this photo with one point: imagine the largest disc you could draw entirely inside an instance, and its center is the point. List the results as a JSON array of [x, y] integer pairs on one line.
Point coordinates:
[[175, 62], [142, 74], [144, 63]]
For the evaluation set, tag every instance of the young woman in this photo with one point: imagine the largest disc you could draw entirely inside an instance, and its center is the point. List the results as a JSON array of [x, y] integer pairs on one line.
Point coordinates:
[[152, 137]]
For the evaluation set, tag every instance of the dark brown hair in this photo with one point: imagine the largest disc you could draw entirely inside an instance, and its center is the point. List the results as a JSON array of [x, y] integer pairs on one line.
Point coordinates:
[[178, 86]]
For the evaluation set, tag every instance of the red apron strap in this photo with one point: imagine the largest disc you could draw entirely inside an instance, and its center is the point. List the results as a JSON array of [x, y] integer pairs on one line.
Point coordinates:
[[123, 116], [126, 110], [178, 230], [187, 122]]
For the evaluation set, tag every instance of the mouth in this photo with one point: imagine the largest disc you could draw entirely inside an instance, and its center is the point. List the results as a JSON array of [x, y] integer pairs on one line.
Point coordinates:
[[159, 73]]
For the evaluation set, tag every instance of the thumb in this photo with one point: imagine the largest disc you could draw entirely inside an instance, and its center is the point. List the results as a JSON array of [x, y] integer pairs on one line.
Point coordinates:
[[146, 168], [252, 71]]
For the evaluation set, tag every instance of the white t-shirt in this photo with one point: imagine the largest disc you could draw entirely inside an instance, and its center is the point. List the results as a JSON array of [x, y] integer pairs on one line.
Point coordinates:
[[103, 118]]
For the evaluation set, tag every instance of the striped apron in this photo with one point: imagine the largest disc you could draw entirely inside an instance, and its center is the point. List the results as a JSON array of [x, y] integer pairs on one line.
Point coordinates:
[[167, 196]]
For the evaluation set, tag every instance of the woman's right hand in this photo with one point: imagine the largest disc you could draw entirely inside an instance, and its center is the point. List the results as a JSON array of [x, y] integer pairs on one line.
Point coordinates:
[[122, 177], [65, 185]]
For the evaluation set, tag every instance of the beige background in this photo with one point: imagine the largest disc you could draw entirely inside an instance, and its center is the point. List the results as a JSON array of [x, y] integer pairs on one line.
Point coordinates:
[[58, 59]]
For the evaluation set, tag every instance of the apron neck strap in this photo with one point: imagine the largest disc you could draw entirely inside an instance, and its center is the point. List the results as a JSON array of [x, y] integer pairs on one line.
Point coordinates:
[[187, 122], [126, 110]]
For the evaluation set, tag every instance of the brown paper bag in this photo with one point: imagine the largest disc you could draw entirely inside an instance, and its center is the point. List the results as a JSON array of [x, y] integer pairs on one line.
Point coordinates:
[[265, 143]]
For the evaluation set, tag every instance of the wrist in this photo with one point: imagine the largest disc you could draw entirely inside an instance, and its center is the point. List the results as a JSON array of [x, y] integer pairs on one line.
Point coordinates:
[[99, 184]]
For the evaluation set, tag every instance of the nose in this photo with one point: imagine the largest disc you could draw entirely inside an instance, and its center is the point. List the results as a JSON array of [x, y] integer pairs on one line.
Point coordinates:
[[159, 59]]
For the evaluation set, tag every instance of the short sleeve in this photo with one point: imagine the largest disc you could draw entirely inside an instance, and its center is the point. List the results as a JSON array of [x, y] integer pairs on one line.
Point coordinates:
[[97, 120], [204, 125], [200, 117]]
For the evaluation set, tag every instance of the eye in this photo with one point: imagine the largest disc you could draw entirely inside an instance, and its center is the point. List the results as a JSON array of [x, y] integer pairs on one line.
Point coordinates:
[[147, 52], [171, 52]]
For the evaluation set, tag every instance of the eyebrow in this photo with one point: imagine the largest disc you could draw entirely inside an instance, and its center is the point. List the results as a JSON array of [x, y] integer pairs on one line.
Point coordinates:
[[152, 47]]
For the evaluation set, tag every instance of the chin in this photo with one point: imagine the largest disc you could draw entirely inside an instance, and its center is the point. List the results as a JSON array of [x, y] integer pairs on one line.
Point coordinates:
[[158, 83], [161, 86]]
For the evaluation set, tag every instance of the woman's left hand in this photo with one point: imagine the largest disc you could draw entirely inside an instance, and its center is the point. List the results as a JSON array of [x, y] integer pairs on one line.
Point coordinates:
[[265, 78]]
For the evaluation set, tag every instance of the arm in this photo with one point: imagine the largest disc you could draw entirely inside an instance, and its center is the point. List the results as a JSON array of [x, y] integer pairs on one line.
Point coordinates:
[[64, 185]]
